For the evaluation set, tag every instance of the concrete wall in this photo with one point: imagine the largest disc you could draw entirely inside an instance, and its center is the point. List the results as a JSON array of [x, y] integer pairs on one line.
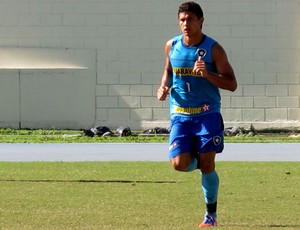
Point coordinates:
[[47, 88], [128, 37]]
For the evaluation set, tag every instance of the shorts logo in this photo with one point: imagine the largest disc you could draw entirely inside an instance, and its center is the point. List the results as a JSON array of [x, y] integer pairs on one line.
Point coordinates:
[[172, 146], [217, 140]]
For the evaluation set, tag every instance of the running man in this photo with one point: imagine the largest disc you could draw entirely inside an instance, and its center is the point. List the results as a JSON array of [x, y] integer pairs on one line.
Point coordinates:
[[196, 67]]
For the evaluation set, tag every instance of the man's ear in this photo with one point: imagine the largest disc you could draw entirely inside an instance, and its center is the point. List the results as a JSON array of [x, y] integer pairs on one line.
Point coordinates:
[[201, 20]]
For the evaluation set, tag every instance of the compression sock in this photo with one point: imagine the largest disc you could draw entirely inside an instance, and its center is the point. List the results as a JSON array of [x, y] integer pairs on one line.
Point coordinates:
[[210, 186], [193, 165]]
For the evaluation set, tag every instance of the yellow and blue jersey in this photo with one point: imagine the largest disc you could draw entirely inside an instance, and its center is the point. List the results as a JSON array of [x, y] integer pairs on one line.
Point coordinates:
[[192, 95]]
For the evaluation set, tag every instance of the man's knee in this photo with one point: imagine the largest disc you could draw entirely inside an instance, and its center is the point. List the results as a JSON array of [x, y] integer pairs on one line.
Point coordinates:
[[207, 167], [181, 162], [207, 162], [179, 166]]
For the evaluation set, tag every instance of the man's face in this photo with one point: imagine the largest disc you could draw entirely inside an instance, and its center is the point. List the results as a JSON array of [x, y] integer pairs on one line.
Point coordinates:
[[189, 23]]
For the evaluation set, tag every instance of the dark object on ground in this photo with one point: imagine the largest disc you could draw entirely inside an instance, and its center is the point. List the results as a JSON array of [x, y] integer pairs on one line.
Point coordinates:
[[89, 133], [98, 131], [239, 131], [124, 131], [157, 130]]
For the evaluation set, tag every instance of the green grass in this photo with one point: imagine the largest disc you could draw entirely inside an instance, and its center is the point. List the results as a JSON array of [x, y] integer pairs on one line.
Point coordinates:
[[75, 136], [145, 195]]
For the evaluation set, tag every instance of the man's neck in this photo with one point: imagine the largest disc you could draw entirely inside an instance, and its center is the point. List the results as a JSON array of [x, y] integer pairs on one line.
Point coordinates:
[[193, 40]]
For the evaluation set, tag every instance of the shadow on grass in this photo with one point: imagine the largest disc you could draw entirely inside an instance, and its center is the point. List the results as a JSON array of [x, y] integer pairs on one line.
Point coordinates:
[[282, 226], [279, 226], [89, 181]]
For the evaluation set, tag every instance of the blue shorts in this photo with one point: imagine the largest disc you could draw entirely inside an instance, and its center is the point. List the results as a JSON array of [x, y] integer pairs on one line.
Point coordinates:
[[196, 135]]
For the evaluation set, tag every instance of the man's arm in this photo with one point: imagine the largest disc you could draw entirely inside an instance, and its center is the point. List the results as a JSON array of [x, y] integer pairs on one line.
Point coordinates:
[[225, 77], [163, 90]]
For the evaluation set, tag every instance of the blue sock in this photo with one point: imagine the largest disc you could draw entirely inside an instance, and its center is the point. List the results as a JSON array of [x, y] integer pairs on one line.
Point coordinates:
[[210, 186], [193, 165]]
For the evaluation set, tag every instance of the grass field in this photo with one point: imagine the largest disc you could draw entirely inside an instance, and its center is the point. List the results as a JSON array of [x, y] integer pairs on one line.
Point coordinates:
[[142, 195], [145, 195]]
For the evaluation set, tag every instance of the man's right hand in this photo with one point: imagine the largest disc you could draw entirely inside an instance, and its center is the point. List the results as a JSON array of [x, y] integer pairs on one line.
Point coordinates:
[[162, 93]]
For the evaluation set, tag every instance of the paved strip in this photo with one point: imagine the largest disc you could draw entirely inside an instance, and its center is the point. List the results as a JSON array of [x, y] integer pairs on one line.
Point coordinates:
[[261, 152], [139, 152]]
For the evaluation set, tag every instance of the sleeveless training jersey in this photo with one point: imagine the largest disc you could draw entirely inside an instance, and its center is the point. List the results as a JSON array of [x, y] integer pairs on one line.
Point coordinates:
[[192, 95]]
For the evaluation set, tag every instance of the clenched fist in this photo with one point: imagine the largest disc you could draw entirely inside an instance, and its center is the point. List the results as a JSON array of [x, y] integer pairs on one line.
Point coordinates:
[[199, 67], [162, 93]]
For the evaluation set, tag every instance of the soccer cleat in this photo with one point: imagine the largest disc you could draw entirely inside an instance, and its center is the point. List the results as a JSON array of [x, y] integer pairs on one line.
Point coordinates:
[[208, 221]]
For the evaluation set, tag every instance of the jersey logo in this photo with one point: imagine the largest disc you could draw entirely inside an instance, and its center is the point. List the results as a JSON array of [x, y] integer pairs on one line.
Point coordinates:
[[201, 52]]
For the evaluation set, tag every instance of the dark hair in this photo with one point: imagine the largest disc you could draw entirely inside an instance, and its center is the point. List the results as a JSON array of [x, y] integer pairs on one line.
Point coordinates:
[[192, 7]]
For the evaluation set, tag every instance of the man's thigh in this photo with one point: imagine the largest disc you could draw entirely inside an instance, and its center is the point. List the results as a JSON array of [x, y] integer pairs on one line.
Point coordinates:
[[181, 138], [210, 134]]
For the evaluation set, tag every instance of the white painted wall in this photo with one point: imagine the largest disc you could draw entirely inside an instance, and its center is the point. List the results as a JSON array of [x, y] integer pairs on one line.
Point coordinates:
[[47, 88], [262, 39]]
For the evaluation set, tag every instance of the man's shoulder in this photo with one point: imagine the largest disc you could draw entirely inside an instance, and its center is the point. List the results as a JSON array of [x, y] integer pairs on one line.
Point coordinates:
[[176, 38], [210, 40], [171, 42]]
